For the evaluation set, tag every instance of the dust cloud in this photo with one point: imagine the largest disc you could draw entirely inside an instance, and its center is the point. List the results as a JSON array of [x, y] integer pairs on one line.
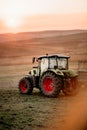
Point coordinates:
[[77, 114]]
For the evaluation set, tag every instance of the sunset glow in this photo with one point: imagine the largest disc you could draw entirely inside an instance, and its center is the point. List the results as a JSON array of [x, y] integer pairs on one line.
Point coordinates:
[[30, 15], [12, 23]]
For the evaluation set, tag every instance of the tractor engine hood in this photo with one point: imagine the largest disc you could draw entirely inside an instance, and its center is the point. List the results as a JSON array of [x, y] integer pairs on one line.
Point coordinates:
[[69, 73]]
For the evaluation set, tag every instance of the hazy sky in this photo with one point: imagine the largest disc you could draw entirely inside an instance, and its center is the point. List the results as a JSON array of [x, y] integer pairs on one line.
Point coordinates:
[[33, 15]]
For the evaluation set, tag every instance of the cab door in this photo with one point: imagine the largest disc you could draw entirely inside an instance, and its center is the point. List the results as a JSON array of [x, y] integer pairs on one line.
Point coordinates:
[[44, 65]]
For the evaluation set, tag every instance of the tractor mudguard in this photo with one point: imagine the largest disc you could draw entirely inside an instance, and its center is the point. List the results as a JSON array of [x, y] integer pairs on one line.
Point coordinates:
[[70, 73], [57, 72]]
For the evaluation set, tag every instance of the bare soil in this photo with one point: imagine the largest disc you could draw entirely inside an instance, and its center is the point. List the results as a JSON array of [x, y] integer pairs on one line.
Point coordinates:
[[31, 112], [37, 112]]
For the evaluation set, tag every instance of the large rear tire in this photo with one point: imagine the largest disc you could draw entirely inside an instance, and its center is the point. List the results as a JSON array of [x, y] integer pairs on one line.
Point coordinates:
[[25, 86], [71, 86], [50, 84]]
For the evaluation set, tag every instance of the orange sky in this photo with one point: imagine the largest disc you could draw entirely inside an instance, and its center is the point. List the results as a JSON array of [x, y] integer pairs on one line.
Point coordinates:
[[34, 15]]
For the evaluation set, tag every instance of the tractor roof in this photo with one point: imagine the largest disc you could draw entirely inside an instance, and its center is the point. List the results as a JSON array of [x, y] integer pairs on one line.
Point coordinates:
[[54, 55]]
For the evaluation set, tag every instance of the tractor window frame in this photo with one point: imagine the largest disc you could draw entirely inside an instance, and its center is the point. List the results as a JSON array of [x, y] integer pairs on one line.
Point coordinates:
[[56, 65], [61, 67]]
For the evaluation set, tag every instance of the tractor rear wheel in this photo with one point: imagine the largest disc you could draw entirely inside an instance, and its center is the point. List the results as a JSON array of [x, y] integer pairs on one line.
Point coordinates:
[[50, 84], [71, 87], [25, 86]]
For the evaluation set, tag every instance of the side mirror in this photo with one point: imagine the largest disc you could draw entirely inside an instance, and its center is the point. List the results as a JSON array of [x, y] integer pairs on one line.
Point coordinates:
[[36, 59], [33, 59]]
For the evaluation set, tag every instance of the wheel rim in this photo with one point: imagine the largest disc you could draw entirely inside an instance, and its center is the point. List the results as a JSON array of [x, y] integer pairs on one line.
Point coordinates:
[[48, 84], [23, 86]]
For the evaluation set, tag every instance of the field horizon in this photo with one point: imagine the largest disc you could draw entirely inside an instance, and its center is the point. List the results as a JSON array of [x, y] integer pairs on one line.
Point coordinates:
[[16, 49], [37, 34]]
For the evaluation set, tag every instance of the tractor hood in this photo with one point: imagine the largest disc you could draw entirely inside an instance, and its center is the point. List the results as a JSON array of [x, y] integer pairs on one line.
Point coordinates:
[[70, 73]]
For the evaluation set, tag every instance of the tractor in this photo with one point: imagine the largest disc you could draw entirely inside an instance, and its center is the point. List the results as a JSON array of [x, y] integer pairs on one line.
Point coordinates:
[[51, 76]]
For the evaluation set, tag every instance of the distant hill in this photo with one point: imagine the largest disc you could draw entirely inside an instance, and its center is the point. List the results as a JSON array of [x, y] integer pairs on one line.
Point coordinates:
[[8, 37], [16, 49]]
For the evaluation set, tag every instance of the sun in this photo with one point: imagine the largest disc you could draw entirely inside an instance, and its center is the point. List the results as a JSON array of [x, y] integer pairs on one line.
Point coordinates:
[[12, 23]]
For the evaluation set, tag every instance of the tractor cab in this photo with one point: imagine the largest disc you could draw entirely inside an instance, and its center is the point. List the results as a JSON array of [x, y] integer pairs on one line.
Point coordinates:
[[48, 62], [53, 62]]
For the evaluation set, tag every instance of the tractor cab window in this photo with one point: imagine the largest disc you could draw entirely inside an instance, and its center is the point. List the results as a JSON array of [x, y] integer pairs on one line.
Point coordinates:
[[53, 62], [62, 63], [44, 64]]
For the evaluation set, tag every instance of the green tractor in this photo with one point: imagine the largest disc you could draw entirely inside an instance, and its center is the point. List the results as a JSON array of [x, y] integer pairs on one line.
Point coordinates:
[[51, 76]]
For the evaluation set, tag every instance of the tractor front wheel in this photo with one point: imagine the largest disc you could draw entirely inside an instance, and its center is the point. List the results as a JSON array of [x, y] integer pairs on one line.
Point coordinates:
[[25, 86], [50, 84]]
